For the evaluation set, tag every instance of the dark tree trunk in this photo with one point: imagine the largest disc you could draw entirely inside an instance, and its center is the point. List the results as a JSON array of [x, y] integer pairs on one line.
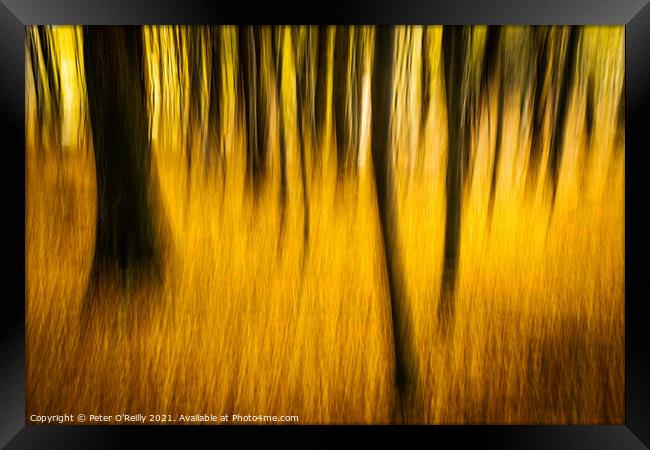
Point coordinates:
[[52, 76], [382, 94], [492, 74], [490, 60], [539, 103], [322, 70], [214, 110], [496, 70], [559, 130], [426, 79], [277, 37], [589, 110], [340, 97], [311, 68], [277, 47], [248, 69], [455, 40], [194, 59], [193, 44], [303, 76], [357, 87], [255, 112], [125, 234]]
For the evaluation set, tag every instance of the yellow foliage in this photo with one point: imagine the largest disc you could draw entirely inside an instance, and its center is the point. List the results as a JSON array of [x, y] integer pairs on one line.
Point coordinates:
[[251, 319]]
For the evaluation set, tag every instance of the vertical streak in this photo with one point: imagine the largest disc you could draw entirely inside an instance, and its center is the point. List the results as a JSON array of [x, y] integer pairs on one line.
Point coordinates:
[[559, 130], [456, 54], [382, 101], [248, 71]]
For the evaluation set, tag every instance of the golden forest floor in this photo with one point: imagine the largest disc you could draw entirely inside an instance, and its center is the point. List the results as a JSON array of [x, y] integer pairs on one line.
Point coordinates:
[[247, 319]]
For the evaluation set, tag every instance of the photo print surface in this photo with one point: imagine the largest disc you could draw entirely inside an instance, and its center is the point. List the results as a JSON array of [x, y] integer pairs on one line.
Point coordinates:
[[325, 224]]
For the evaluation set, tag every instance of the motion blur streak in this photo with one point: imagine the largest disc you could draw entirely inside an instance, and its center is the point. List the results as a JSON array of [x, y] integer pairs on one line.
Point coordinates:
[[273, 295]]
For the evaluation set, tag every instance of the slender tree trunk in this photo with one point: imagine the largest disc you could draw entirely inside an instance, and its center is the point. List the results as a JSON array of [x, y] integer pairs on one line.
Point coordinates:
[[455, 40], [322, 71], [491, 76], [51, 71], [249, 64], [311, 61], [382, 95], [357, 87], [278, 42], [340, 97], [559, 130], [589, 110], [303, 75], [426, 79], [214, 110], [490, 67], [193, 46], [503, 91], [539, 104]]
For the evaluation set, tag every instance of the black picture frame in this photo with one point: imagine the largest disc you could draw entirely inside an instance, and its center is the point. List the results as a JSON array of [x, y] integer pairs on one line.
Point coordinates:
[[15, 14]]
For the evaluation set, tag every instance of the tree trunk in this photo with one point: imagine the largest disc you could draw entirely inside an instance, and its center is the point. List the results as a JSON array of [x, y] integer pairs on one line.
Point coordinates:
[[214, 109], [340, 96], [498, 62], [426, 76], [277, 44], [559, 130], [455, 40], [254, 115], [302, 63], [125, 235], [311, 68], [382, 95], [539, 104], [322, 84]]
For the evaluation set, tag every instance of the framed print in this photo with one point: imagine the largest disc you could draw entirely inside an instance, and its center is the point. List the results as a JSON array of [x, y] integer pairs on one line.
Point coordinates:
[[406, 217]]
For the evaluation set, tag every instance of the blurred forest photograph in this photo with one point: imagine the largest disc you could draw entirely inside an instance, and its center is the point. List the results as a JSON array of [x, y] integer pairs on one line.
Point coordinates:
[[347, 224]]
